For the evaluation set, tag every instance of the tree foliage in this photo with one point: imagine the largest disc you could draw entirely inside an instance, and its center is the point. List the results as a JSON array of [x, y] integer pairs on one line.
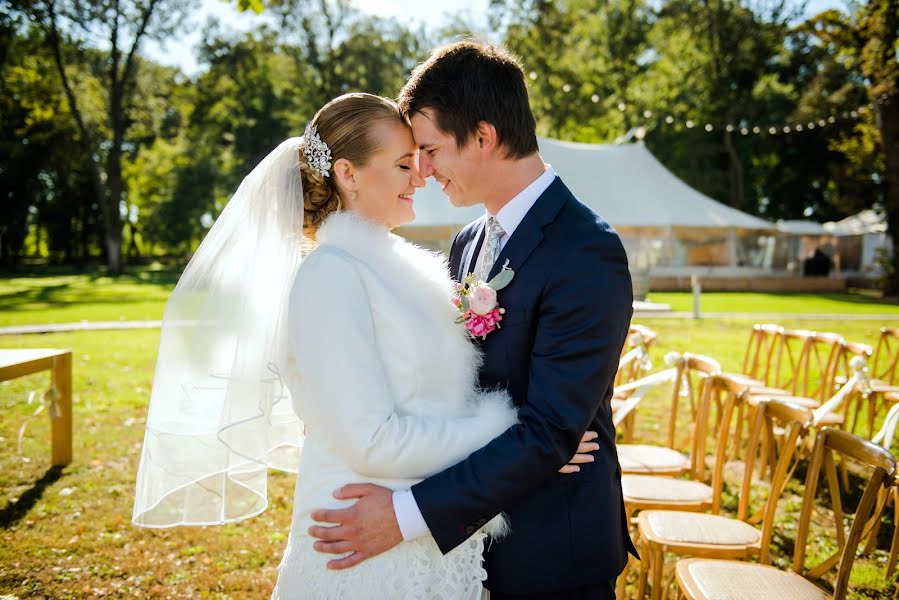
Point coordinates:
[[103, 149]]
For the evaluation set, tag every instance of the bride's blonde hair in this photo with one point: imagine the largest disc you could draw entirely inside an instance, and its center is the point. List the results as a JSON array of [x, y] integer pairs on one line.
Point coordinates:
[[345, 125]]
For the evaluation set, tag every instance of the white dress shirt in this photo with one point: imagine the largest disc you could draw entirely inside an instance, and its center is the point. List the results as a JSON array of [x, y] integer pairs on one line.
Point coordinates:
[[408, 516]]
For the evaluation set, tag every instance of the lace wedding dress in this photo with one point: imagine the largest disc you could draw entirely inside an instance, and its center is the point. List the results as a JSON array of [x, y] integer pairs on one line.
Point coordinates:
[[385, 382]]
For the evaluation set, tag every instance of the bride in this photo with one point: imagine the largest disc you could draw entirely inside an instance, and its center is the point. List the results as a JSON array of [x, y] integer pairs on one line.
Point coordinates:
[[351, 353]]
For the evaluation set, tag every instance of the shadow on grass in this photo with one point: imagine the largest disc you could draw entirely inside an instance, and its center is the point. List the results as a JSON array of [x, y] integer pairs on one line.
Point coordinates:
[[14, 511]]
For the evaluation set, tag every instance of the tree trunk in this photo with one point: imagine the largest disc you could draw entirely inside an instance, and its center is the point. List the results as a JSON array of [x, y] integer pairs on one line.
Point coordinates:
[[734, 172], [888, 125], [112, 218]]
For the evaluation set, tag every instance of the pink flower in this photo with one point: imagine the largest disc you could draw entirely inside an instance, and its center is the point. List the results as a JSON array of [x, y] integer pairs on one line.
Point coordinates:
[[457, 301], [482, 299], [479, 326]]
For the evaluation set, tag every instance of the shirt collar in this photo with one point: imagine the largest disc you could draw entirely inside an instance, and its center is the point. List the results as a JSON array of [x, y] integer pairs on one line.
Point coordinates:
[[511, 215]]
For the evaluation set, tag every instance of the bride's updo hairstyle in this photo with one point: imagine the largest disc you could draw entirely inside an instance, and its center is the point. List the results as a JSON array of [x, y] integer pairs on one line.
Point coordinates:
[[345, 124]]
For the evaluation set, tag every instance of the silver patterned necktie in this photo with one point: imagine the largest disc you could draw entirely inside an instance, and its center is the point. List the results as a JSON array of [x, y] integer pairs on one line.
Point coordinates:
[[491, 248]]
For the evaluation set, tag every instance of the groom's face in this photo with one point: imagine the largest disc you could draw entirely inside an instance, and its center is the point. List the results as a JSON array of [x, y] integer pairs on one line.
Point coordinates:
[[457, 170]]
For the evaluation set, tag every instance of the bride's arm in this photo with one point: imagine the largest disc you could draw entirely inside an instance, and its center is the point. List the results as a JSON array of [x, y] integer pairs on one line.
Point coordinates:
[[346, 398]]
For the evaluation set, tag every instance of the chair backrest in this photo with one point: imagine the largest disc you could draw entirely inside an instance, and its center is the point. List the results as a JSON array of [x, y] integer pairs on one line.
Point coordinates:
[[758, 360], [730, 396], [687, 384], [886, 356], [794, 421], [828, 442], [840, 368], [817, 366], [789, 357], [634, 361]]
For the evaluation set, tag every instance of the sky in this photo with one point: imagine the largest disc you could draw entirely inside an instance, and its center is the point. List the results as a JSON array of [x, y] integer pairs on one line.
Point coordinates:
[[182, 52]]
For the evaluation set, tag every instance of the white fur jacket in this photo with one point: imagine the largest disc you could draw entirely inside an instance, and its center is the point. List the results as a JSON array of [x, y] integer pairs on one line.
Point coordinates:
[[381, 375]]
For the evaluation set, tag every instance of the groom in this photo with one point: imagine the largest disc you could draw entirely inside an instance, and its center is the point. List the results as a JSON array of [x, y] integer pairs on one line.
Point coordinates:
[[568, 309]]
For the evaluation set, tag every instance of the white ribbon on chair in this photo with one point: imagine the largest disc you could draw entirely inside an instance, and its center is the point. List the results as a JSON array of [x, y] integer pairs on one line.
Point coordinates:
[[885, 436], [640, 388], [860, 380]]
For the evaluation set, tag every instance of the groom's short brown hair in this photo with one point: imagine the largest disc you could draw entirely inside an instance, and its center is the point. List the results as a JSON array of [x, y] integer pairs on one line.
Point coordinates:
[[465, 83]]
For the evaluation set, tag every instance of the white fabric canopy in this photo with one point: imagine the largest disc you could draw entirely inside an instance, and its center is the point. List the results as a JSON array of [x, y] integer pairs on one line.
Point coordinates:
[[867, 221], [624, 184], [801, 227]]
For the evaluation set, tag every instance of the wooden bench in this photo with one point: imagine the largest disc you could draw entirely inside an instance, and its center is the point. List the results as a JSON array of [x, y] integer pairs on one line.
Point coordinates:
[[18, 363]]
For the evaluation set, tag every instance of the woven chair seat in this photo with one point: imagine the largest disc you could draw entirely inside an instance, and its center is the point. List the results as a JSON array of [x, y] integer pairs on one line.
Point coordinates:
[[735, 580], [639, 458], [647, 487], [674, 526]]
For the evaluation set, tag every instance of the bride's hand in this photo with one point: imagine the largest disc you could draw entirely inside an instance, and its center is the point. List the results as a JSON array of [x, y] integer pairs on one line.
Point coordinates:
[[583, 455]]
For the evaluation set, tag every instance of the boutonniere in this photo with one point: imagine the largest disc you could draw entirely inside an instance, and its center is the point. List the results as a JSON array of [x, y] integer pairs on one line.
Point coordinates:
[[477, 302]]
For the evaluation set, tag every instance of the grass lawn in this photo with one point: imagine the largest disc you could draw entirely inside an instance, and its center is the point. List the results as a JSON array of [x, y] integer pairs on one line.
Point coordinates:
[[756, 302], [67, 297], [67, 533], [64, 296]]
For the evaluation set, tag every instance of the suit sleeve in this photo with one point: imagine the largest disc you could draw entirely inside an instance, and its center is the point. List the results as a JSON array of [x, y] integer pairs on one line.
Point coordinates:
[[344, 386], [582, 322]]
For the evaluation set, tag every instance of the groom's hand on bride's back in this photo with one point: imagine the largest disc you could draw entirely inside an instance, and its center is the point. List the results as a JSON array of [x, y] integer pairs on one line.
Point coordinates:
[[366, 529], [369, 527], [583, 454]]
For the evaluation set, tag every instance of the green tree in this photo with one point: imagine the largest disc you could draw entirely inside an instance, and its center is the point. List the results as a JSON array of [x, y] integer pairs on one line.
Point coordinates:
[[867, 42], [45, 185], [120, 25]]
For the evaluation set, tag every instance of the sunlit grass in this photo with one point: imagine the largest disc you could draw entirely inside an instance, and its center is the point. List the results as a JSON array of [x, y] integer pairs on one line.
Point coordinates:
[[68, 297], [68, 534], [782, 303]]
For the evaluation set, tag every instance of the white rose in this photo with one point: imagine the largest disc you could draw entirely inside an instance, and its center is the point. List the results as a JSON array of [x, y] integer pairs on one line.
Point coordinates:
[[482, 299]]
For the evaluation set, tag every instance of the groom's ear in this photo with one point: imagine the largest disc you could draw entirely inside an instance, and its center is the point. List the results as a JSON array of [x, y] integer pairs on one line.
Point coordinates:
[[485, 136]]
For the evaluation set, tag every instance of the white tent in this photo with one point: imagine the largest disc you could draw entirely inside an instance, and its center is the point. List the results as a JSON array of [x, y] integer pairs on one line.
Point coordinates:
[[664, 223], [624, 184], [861, 238]]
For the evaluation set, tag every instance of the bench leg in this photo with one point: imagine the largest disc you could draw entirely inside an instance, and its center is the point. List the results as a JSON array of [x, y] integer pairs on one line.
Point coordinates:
[[61, 427]]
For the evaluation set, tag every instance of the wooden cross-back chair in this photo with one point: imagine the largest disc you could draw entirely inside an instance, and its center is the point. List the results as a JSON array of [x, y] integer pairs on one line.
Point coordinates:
[[702, 578], [715, 536], [644, 459], [810, 366], [632, 366], [642, 492], [786, 362], [758, 360], [884, 439], [882, 371], [885, 363]]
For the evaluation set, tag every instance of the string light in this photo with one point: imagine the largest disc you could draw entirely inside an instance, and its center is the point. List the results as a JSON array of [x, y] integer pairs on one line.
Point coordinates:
[[744, 129]]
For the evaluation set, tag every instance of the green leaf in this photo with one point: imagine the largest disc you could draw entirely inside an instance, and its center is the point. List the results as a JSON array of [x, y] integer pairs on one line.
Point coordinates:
[[502, 279]]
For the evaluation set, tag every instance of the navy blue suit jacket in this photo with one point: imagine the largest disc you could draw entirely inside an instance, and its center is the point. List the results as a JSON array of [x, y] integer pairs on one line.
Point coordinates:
[[568, 309]]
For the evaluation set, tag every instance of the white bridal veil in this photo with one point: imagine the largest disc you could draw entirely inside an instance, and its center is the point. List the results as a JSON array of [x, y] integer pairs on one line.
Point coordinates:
[[220, 414]]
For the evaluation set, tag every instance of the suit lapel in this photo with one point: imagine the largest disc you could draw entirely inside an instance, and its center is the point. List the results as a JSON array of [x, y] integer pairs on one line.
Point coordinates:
[[472, 247], [529, 233]]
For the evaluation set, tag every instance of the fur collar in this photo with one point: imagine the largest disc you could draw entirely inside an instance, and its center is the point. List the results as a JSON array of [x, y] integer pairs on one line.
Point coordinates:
[[390, 255]]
